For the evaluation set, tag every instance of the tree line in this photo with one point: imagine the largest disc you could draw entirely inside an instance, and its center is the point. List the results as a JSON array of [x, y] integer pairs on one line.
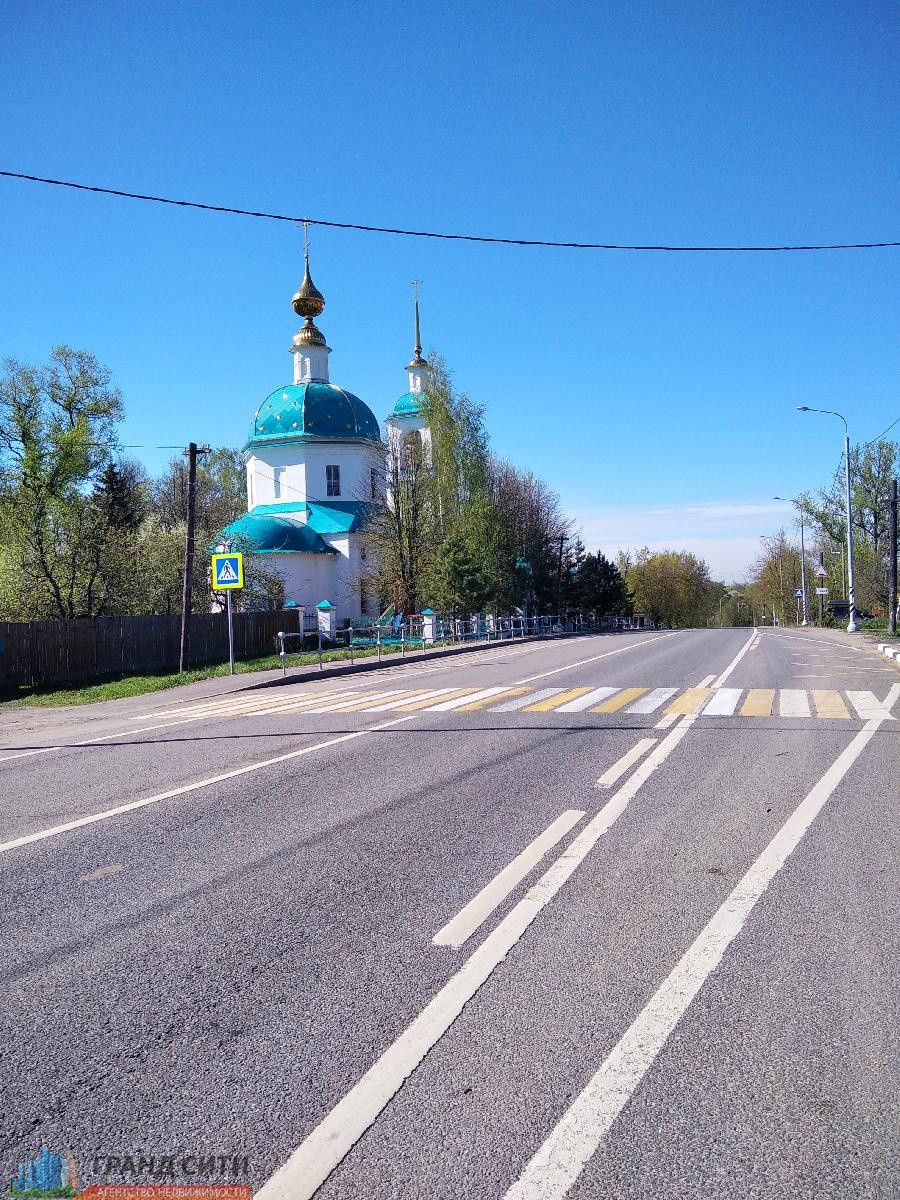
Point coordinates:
[[776, 574], [85, 531]]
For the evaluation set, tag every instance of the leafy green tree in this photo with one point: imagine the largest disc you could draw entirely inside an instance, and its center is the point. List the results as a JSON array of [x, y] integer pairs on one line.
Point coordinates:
[[57, 431], [673, 587], [600, 588]]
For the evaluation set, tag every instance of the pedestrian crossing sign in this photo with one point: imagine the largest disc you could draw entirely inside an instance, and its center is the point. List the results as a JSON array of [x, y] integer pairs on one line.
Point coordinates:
[[227, 572]]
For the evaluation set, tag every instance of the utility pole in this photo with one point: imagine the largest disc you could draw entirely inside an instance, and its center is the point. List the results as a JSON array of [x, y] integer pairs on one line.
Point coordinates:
[[562, 538], [187, 589], [892, 595]]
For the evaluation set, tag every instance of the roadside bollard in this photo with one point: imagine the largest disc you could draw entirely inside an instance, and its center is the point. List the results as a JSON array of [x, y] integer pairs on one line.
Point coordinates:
[[320, 649], [281, 654], [378, 642]]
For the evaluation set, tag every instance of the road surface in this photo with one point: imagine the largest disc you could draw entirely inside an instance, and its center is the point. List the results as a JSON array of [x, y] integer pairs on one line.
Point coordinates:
[[610, 917]]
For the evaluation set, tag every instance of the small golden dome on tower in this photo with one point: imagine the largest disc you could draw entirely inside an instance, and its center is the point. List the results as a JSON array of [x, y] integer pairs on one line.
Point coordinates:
[[309, 335], [308, 301]]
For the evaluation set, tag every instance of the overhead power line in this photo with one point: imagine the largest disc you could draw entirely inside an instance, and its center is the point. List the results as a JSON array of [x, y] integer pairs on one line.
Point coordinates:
[[883, 432], [423, 233]]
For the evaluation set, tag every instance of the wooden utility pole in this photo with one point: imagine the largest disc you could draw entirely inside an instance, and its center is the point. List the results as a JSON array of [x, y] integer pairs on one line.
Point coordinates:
[[892, 595], [187, 589]]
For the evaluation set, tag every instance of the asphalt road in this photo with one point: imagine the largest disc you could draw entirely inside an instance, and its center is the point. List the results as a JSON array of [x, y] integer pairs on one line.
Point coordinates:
[[467, 936]]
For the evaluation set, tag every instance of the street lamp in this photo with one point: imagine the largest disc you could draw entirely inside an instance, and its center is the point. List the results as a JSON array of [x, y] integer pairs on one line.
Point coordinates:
[[851, 585], [799, 505]]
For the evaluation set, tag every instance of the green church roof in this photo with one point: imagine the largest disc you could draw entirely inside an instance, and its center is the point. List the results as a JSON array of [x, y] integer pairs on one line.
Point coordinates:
[[409, 405], [337, 516], [299, 411], [267, 534]]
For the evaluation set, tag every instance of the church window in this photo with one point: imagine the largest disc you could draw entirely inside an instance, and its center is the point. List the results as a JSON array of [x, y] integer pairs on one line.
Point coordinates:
[[373, 476], [333, 480], [279, 472]]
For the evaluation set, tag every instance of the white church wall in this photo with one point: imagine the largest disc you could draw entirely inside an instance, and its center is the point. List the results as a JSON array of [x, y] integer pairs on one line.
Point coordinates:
[[276, 476], [308, 578], [355, 461]]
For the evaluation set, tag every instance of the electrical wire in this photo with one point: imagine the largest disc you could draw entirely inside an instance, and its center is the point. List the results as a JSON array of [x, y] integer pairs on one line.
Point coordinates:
[[423, 233], [883, 432]]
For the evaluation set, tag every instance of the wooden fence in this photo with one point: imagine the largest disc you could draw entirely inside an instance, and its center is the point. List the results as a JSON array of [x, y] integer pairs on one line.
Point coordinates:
[[44, 652]]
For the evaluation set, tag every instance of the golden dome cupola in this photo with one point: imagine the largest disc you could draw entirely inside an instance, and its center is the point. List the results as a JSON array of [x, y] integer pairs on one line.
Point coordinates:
[[309, 347]]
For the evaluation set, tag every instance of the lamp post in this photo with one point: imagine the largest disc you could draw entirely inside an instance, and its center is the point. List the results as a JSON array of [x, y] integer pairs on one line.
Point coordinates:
[[851, 584], [799, 505]]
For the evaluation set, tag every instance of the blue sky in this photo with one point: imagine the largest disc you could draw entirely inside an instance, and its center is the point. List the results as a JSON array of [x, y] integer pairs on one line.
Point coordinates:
[[655, 392]]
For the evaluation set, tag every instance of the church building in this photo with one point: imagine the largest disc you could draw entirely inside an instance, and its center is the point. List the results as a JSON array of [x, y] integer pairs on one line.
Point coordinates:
[[315, 461]]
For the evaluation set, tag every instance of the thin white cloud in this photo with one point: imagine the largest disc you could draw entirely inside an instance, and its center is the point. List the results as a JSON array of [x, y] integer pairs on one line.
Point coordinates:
[[726, 533]]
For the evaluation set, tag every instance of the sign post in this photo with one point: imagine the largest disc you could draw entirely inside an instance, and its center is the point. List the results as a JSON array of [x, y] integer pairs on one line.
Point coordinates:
[[228, 576]]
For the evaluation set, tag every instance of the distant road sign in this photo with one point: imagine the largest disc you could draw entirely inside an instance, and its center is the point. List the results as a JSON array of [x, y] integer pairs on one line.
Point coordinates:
[[227, 572], [821, 573], [821, 591], [799, 592]]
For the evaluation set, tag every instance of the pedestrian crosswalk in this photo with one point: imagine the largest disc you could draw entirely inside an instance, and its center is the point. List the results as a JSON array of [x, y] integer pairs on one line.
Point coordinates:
[[749, 703]]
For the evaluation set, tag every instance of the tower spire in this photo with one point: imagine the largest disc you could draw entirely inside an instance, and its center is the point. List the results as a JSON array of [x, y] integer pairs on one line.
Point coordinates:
[[418, 363], [309, 347]]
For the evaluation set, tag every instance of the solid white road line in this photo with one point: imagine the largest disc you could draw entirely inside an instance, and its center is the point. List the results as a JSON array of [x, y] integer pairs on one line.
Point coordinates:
[[734, 662], [28, 838], [612, 774], [560, 1160], [317, 1156], [651, 702], [480, 907], [793, 703], [868, 707], [666, 721], [524, 701], [723, 703], [596, 658], [449, 705], [583, 702]]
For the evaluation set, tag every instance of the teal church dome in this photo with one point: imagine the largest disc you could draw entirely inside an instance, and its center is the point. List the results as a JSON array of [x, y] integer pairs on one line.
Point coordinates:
[[300, 411], [409, 405]]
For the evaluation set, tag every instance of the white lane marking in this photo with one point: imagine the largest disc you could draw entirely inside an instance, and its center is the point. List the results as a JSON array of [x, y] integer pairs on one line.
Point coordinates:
[[449, 705], [706, 681], [26, 839], [583, 702], [480, 907], [734, 662], [868, 707], [792, 702], [596, 658], [612, 774], [651, 702], [723, 703], [562, 1157], [524, 701], [408, 699], [666, 721], [321, 1151]]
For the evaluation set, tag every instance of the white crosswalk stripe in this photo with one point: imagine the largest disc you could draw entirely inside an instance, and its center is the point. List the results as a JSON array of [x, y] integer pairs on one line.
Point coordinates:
[[866, 705], [652, 701], [523, 701], [583, 702], [723, 702], [449, 705], [793, 703]]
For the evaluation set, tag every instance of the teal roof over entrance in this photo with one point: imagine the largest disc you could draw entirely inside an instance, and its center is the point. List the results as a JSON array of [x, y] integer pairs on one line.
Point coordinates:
[[337, 516], [299, 411], [267, 534]]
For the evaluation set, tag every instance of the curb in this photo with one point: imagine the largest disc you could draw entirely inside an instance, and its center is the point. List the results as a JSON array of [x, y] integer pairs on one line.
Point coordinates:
[[891, 652]]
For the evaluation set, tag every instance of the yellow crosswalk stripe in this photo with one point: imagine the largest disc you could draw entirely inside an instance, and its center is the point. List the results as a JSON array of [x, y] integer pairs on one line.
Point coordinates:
[[830, 704], [758, 703], [416, 704], [552, 702], [486, 701], [370, 702], [614, 703], [689, 701]]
